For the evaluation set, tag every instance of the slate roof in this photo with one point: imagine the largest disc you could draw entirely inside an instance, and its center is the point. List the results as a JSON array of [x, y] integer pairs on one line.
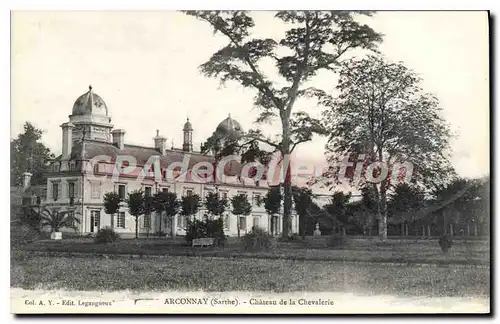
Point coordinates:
[[93, 149]]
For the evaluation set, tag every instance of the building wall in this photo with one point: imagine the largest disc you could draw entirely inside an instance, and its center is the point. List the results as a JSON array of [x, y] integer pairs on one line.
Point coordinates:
[[93, 190]]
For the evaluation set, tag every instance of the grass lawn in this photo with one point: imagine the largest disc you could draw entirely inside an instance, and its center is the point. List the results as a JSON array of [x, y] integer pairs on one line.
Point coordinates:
[[410, 251], [226, 274]]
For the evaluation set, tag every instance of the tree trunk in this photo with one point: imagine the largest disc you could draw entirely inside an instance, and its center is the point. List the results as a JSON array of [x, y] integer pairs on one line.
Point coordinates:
[[475, 230], [428, 230], [285, 153], [407, 230], [451, 229], [302, 225], [445, 221], [136, 227], [402, 228], [287, 206], [113, 221], [160, 220]]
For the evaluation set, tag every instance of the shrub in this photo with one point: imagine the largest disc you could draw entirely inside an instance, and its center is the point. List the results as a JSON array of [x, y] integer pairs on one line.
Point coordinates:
[[258, 240], [212, 228], [292, 238], [445, 242], [160, 234], [106, 235], [23, 234], [336, 241]]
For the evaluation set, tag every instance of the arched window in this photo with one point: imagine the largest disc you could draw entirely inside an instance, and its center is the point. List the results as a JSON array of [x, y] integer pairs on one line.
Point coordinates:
[[96, 168]]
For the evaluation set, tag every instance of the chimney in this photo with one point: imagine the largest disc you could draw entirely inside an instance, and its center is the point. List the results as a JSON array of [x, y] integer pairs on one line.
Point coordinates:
[[66, 139], [160, 142], [26, 179], [119, 138]]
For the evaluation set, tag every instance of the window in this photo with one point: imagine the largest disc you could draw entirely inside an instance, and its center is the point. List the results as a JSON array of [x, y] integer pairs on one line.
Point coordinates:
[[55, 190], [124, 165], [72, 165], [147, 191], [224, 194], [256, 199], [256, 221], [95, 220], [146, 223], [71, 216], [189, 192], [182, 221], [96, 168], [95, 191], [122, 191], [243, 223], [120, 220], [165, 189], [71, 189]]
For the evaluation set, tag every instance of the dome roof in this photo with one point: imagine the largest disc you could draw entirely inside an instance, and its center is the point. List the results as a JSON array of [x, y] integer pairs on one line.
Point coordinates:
[[188, 126], [90, 103], [229, 127]]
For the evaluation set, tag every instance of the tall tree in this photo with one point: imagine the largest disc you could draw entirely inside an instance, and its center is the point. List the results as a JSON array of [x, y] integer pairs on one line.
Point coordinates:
[[302, 198], [381, 115], [272, 204], [315, 41], [135, 201], [112, 202], [241, 207], [215, 205], [190, 205], [28, 154]]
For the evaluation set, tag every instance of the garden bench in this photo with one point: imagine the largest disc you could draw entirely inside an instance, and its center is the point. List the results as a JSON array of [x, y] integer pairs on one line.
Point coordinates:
[[206, 241]]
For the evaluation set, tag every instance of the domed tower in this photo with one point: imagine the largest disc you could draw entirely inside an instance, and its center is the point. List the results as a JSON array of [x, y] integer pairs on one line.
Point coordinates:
[[187, 145], [229, 128], [90, 118]]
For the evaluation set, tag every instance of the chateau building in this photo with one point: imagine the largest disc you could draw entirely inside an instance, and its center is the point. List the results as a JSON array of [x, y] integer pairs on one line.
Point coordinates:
[[93, 153]]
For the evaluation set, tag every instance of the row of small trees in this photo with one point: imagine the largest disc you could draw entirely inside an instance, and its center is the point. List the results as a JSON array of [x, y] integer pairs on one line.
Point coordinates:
[[168, 205], [411, 209]]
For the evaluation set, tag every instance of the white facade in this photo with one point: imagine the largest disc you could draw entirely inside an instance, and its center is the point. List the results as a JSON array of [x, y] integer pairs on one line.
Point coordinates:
[[71, 187]]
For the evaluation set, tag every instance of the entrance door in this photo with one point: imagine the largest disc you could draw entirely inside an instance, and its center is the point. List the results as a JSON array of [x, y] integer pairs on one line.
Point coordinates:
[[256, 222], [95, 220]]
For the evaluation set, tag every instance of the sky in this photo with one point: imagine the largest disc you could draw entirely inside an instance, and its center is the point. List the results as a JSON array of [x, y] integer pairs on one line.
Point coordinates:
[[145, 67]]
